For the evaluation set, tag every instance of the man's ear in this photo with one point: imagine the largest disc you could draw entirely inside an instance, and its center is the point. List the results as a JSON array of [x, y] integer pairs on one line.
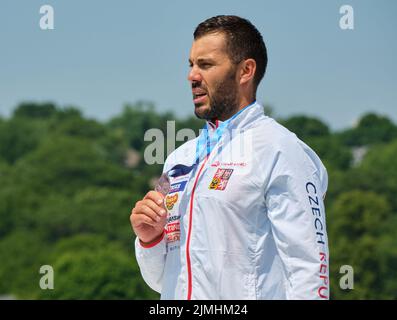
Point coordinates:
[[247, 71]]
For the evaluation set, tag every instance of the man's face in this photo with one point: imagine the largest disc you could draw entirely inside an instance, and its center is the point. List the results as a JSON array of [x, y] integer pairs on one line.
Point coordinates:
[[213, 78]]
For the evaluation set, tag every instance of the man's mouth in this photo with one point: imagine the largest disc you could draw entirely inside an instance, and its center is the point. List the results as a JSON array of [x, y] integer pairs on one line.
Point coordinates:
[[199, 96]]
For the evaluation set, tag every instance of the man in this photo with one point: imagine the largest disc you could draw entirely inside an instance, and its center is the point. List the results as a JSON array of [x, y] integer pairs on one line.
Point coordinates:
[[228, 224]]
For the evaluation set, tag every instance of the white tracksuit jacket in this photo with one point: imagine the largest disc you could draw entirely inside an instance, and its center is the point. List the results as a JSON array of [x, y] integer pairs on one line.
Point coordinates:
[[248, 222]]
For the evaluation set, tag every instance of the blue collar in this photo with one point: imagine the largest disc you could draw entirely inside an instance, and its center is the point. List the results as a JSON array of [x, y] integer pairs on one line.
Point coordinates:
[[206, 143]]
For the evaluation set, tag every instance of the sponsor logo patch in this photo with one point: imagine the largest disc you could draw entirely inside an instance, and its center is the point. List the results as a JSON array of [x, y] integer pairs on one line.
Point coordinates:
[[170, 201], [177, 187], [173, 231], [229, 164], [220, 179]]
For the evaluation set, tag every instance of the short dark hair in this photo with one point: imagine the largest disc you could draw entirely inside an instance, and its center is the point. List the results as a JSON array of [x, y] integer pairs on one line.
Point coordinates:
[[243, 40]]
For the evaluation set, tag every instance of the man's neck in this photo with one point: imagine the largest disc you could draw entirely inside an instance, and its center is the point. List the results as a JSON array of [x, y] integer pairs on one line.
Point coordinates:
[[243, 103], [246, 102]]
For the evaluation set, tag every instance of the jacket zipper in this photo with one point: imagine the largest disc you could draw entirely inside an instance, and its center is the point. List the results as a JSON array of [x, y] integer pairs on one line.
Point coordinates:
[[189, 268]]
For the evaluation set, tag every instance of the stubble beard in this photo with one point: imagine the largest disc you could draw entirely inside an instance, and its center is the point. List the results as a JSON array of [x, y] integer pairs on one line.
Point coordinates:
[[223, 103]]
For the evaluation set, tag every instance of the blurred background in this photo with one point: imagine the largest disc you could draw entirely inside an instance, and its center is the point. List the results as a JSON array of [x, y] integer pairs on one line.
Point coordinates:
[[76, 101]]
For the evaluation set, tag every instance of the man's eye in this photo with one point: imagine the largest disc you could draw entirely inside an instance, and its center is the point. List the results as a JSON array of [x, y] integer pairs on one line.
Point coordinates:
[[205, 65]]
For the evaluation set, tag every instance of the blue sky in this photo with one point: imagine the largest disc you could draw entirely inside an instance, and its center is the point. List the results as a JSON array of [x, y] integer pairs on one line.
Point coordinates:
[[103, 54]]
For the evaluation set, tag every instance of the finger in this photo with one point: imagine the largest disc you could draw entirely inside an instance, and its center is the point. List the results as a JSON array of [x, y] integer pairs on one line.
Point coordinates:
[[146, 210], [155, 196], [152, 205], [143, 219]]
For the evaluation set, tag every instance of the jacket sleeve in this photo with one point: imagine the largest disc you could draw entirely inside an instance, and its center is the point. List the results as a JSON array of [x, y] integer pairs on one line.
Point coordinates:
[[294, 199], [151, 261]]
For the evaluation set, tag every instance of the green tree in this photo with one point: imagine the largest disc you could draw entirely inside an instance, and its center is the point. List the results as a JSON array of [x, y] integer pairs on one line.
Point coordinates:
[[90, 267], [22, 253], [66, 165], [370, 129], [35, 110], [378, 172], [78, 127], [306, 127], [136, 119], [331, 151], [358, 227], [94, 210], [18, 137]]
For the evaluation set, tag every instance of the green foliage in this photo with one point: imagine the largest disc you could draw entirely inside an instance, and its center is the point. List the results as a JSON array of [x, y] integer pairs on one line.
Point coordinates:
[[17, 138], [384, 157], [78, 127], [378, 172], [136, 119], [67, 190], [21, 255], [359, 238], [32, 110], [371, 129], [331, 150], [91, 210], [65, 164], [357, 214], [305, 127], [91, 267]]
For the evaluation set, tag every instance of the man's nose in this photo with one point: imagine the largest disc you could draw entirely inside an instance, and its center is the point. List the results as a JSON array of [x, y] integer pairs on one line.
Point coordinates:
[[194, 75]]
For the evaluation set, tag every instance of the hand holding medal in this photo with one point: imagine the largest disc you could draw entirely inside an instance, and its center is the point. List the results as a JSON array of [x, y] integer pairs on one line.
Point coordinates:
[[149, 215]]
